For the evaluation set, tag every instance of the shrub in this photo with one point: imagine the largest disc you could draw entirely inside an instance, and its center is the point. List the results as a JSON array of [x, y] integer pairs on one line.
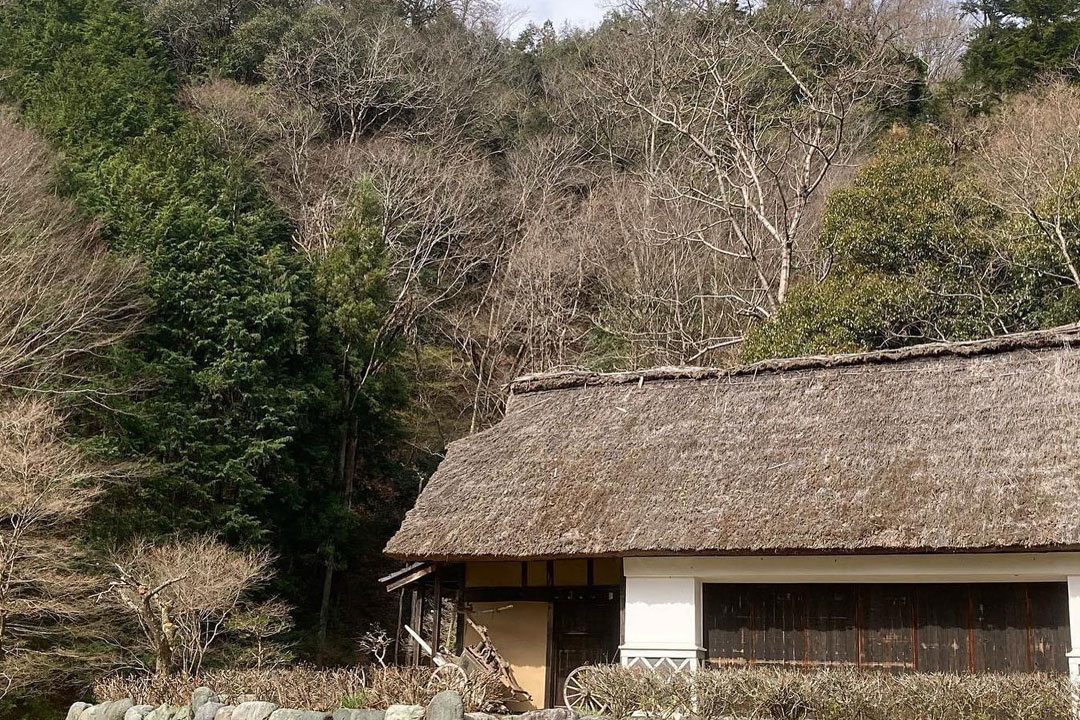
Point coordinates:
[[394, 685], [299, 686], [781, 694], [354, 701], [307, 687]]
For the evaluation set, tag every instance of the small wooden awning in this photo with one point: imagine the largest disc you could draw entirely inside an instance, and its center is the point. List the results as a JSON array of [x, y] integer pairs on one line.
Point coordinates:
[[407, 575]]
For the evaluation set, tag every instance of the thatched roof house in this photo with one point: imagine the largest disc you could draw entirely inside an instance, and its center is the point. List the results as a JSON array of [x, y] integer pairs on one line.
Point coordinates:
[[957, 448], [938, 447]]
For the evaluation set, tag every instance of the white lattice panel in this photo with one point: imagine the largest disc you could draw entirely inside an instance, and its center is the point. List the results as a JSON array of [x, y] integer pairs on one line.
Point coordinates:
[[671, 664]]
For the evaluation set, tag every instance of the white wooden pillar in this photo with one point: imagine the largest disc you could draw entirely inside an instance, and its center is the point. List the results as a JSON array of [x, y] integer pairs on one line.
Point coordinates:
[[663, 623], [1074, 627]]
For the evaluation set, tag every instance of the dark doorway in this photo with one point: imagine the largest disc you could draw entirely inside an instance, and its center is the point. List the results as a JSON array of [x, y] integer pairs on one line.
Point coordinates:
[[584, 631]]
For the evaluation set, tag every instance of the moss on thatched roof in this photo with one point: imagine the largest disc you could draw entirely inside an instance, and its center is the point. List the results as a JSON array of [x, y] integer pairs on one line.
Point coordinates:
[[950, 446]]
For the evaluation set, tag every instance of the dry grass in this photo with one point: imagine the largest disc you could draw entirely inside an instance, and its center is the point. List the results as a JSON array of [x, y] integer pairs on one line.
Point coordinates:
[[296, 687], [415, 686], [305, 687], [774, 694]]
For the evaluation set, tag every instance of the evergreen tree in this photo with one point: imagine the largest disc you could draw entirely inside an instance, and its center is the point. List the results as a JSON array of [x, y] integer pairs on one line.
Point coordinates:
[[225, 360], [354, 299], [909, 262], [1019, 40]]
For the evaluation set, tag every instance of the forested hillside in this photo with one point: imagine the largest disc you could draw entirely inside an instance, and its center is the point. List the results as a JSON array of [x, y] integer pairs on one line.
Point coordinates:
[[263, 260]]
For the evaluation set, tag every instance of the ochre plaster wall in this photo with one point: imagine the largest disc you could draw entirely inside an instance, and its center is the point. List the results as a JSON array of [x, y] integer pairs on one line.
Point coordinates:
[[519, 631]]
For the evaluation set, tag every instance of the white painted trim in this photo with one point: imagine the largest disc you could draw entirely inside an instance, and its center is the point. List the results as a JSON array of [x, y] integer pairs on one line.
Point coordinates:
[[667, 663], [669, 649], [969, 567], [1074, 627]]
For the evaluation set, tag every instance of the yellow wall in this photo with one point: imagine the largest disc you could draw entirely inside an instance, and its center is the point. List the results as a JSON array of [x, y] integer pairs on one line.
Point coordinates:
[[519, 631], [571, 572], [493, 574], [607, 571], [566, 573]]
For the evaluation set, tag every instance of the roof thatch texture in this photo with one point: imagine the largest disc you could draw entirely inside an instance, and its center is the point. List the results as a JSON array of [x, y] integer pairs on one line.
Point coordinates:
[[966, 446]]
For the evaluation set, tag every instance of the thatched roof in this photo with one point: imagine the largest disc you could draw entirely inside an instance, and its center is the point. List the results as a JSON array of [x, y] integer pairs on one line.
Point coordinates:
[[961, 446]]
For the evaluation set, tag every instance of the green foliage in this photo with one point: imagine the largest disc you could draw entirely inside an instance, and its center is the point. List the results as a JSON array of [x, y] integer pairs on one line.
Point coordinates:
[[354, 702], [87, 74], [351, 281], [857, 311], [1020, 40], [368, 392], [917, 255], [19, 707], [910, 259], [257, 365], [225, 351], [254, 40], [904, 211], [1042, 280], [353, 299]]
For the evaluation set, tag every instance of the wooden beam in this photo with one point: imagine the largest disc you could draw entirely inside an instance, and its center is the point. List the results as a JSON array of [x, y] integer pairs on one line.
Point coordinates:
[[412, 577], [402, 571], [400, 622]]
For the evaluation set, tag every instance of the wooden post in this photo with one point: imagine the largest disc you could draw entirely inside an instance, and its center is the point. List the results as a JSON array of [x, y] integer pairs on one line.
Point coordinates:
[[459, 624], [1074, 641], [415, 622], [1074, 627], [400, 620]]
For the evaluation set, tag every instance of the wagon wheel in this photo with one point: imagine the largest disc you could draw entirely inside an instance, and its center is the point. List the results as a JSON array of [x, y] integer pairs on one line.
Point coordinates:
[[579, 696], [448, 677]]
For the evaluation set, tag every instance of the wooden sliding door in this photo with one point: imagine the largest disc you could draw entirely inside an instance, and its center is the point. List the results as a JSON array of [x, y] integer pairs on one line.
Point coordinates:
[[989, 627], [585, 631]]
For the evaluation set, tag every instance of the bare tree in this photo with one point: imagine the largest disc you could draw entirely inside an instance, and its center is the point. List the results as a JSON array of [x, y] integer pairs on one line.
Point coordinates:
[[184, 595], [258, 630], [354, 70], [532, 309], [934, 31], [376, 642], [47, 485], [746, 116], [62, 300], [668, 210], [1029, 161], [62, 297]]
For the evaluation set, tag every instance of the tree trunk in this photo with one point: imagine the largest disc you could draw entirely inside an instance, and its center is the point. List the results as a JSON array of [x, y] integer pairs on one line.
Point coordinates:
[[324, 606], [346, 468], [163, 660]]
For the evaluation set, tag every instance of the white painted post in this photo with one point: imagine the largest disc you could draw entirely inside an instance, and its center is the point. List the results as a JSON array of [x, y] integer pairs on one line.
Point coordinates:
[[1073, 654], [1074, 628], [663, 623]]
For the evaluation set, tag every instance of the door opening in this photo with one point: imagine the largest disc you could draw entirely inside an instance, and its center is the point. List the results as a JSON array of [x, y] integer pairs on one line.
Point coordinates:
[[584, 631]]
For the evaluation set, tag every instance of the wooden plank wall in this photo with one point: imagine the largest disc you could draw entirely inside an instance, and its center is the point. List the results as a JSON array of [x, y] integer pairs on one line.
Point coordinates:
[[991, 627]]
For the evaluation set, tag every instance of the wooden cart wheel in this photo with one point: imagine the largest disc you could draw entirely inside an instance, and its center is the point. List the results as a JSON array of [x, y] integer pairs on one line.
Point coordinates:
[[579, 696], [448, 677]]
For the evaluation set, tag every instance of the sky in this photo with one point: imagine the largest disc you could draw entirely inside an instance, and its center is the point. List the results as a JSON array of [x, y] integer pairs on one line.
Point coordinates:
[[584, 13]]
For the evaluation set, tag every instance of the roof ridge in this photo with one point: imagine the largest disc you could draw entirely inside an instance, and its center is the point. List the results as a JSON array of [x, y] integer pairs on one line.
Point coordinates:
[[1028, 340]]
